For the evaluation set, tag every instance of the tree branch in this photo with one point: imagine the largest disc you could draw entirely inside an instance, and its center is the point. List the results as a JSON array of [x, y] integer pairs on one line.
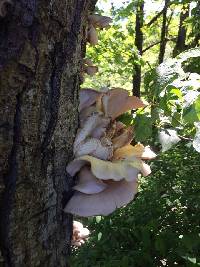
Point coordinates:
[[156, 16], [158, 42]]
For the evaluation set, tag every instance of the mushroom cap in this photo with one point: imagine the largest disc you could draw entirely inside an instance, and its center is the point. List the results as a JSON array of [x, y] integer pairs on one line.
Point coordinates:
[[87, 97], [91, 70], [117, 101], [95, 148], [77, 226], [94, 122], [138, 151], [105, 170], [116, 195], [124, 137], [92, 35], [99, 21], [88, 183]]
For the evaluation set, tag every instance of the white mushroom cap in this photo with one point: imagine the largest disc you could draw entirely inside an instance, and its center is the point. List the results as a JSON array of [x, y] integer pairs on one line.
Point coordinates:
[[88, 183], [106, 170], [117, 101], [116, 195]]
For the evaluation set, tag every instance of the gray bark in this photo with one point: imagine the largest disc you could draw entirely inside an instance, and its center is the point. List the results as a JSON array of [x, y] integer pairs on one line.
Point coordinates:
[[182, 32], [41, 46], [139, 44], [163, 33]]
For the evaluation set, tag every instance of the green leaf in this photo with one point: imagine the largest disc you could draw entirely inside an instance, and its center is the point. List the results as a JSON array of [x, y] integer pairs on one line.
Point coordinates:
[[142, 127], [98, 219], [99, 236], [192, 113], [160, 245], [126, 118]]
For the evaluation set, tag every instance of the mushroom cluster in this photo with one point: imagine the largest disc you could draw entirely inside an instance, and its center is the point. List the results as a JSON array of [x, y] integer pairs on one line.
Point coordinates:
[[106, 164], [96, 21], [80, 234]]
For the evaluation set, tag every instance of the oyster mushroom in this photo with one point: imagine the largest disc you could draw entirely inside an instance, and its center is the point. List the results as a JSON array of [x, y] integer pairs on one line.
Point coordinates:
[[92, 36], [138, 151], [88, 97], [99, 21], [94, 122], [117, 101], [105, 170], [116, 195], [79, 235], [95, 147], [88, 183]]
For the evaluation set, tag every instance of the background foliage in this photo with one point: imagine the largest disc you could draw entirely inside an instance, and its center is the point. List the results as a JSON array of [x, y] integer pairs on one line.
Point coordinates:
[[161, 227]]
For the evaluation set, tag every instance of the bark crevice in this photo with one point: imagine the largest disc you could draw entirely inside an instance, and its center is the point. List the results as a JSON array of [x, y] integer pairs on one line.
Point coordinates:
[[10, 180]]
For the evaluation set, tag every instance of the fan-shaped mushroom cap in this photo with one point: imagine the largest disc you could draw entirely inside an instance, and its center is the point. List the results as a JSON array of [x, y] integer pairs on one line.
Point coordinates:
[[87, 97], [91, 70], [85, 114], [88, 183], [125, 136], [88, 62], [80, 234], [99, 21], [117, 101], [137, 151], [92, 35], [92, 123], [116, 195], [77, 226], [95, 148], [106, 170]]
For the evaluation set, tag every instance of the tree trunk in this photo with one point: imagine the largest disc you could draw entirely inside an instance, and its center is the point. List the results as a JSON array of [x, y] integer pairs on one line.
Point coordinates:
[[41, 45], [163, 33], [195, 26], [139, 45], [181, 38]]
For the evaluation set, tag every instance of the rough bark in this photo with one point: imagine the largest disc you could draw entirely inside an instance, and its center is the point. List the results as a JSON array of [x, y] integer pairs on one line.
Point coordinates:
[[41, 44], [181, 38], [139, 45], [163, 33]]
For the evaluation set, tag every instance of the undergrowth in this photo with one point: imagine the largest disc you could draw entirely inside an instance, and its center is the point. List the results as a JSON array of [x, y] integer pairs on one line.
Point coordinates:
[[159, 228]]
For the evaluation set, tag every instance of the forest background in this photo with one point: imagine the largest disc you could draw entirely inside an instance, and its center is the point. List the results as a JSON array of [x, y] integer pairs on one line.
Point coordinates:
[[152, 50]]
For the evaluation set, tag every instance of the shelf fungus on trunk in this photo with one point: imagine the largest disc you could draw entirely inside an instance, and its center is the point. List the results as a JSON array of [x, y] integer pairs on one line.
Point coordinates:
[[96, 21], [106, 164], [80, 234]]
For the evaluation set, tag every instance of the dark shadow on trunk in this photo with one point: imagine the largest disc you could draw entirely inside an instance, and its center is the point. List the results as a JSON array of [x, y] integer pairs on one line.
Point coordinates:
[[41, 48], [139, 45], [181, 38]]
